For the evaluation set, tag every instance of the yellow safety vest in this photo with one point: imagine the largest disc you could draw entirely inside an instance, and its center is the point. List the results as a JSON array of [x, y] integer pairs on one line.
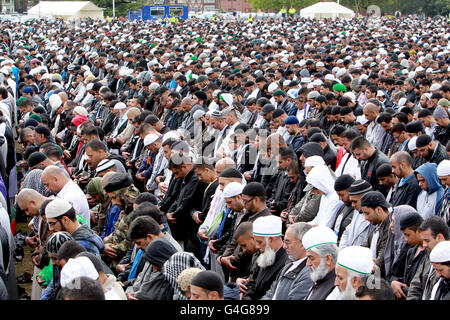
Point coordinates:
[[283, 10], [291, 10], [250, 19]]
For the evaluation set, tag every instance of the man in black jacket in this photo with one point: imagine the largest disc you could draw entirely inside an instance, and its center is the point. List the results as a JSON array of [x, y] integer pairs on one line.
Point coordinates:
[[372, 158], [234, 257], [409, 225], [268, 262], [189, 200], [284, 186], [345, 213], [431, 151], [407, 189]]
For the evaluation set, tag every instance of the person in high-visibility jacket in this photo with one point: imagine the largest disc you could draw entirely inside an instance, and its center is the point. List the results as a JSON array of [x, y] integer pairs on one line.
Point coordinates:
[[292, 10], [283, 13], [250, 19]]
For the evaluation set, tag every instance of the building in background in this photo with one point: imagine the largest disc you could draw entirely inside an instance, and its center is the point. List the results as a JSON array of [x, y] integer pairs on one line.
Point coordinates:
[[235, 6]]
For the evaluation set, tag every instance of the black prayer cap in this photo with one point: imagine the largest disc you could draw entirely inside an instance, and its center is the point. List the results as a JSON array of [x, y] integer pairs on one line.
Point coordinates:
[[384, 170], [410, 219], [414, 126], [230, 173], [254, 189], [374, 199], [158, 252], [118, 181], [35, 158], [208, 280], [311, 149], [343, 182], [41, 129], [423, 140]]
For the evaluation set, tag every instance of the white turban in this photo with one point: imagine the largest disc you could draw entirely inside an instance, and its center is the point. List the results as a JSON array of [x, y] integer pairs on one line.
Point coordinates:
[[443, 169]]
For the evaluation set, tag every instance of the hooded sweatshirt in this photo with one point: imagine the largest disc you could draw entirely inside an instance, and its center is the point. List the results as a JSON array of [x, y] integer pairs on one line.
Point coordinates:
[[88, 239], [320, 178], [429, 202]]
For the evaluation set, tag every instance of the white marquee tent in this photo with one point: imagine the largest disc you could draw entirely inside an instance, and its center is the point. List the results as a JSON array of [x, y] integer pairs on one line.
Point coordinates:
[[327, 10], [67, 10]]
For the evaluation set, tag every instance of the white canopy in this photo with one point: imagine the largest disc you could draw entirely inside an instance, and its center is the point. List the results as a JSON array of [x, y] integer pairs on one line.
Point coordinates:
[[327, 10], [67, 10]]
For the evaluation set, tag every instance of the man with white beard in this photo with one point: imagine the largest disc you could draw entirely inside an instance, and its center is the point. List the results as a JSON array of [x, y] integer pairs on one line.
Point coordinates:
[[271, 259], [353, 269], [321, 252]]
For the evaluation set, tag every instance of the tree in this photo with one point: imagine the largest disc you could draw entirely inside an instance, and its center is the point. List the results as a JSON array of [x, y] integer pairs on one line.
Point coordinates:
[[276, 5]]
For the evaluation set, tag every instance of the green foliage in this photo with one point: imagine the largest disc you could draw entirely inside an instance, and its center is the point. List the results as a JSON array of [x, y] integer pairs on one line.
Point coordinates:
[[427, 7], [276, 5]]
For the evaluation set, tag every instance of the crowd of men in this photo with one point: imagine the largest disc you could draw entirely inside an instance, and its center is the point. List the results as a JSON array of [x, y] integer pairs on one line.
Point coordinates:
[[265, 160]]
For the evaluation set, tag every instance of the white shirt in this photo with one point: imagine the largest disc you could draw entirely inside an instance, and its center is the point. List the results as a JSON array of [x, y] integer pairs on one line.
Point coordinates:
[[334, 295], [349, 165], [72, 193], [374, 134], [373, 243]]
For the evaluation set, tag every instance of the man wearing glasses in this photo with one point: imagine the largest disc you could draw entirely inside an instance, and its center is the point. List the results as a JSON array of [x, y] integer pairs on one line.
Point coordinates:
[[61, 216]]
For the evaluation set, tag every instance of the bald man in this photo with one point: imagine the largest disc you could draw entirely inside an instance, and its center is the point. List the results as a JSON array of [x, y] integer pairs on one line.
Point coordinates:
[[55, 180], [274, 143], [30, 201], [375, 132]]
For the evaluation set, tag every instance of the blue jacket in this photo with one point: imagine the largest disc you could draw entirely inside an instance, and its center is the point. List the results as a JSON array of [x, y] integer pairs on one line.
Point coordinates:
[[88, 239], [111, 218], [429, 172]]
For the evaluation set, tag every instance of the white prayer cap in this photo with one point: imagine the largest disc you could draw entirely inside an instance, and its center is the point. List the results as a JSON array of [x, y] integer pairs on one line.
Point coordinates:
[[57, 207], [89, 86], [120, 106], [272, 87], [232, 189], [317, 82], [443, 168], [320, 64], [412, 143], [341, 72], [78, 267], [313, 95], [123, 72], [171, 134], [150, 138], [80, 110], [153, 86], [318, 236], [441, 252], [329, 77], [361, 119], [314, 161], [305, 80], [198, 114], [293, 93], [55, 101], [227, 97], [104, 165], [268, 226], [435, 86], [380, 93], [356, 258], [402, 102], [350, 95]]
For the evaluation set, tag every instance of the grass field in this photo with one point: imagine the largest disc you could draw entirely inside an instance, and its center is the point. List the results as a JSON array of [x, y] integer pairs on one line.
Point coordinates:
[[25, 265]]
